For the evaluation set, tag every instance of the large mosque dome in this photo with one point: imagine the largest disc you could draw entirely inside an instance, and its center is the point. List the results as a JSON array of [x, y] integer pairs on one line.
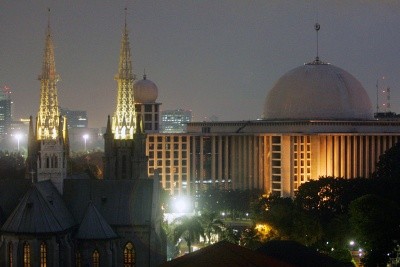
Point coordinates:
[[318, 91], [145, 91]]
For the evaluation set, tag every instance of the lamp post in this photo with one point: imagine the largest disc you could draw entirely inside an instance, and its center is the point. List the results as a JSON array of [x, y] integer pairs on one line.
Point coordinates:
[[85, 138], [18, 137]]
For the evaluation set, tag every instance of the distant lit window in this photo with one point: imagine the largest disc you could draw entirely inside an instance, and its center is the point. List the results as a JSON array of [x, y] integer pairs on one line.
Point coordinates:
[[43, 254], [27, 255], [129, 255], [96, 258]]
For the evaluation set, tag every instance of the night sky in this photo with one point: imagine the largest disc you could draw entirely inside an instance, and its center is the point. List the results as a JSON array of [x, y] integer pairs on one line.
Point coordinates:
[[217, 57]]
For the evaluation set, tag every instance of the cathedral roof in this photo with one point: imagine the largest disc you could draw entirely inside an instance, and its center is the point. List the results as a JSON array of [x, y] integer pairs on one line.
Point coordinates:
[[40, 211], [11, 192], [94, 226], [120, 202]]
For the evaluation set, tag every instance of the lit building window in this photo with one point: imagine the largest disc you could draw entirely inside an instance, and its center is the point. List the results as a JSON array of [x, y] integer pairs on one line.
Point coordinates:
[[43, 254], [96, 258], [129, 255], [27, 255], [10, 254]]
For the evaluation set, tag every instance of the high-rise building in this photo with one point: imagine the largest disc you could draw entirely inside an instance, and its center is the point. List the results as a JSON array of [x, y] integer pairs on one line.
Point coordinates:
[[75, 118], [5, 113], [175, 121]]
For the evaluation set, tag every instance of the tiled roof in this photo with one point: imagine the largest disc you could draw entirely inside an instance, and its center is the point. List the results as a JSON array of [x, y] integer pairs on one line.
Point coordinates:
[[11, 192], [224, 254], [94, 226], [297, 254], [40, 211], [120, 202]]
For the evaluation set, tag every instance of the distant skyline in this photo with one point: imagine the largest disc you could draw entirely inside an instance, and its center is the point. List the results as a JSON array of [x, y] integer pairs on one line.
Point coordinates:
[[216, 57]]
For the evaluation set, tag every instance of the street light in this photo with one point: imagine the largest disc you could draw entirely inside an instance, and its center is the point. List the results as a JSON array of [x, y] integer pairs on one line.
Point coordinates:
[[85, 137], [18, 137]]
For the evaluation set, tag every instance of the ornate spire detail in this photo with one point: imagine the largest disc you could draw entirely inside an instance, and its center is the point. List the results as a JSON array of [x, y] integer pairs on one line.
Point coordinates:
[[48, 115], [122, 125]]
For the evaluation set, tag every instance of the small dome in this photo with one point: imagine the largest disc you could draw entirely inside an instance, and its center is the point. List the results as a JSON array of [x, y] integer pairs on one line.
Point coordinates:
[[317, 91], [145, 91]]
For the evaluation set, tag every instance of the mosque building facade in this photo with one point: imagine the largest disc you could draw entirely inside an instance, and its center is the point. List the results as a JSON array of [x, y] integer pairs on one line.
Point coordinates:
[[317, 121]]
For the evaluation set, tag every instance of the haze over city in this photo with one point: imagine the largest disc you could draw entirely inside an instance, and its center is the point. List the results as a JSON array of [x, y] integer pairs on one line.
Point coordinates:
[[213, 57]]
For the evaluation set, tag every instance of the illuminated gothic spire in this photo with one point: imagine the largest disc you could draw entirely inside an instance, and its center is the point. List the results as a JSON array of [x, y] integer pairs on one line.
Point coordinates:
[[123, 123], [48, 115]]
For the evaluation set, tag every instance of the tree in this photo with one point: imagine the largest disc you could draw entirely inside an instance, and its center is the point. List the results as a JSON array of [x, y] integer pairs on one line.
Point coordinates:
[[12, 165], [290, 221], [212, 225], [188, 228], [375, 223], [91, 164], [231, 235], [388, 166]]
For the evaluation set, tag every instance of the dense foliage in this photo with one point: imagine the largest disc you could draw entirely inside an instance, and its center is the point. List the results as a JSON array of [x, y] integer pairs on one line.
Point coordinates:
[[12, 165]]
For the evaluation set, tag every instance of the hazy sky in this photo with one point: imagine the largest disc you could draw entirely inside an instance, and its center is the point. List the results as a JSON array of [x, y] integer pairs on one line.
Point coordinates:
[[217, 57]]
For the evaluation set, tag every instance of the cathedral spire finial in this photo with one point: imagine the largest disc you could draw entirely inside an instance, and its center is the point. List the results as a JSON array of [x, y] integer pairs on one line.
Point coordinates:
[[126, 13], [48, 21], [48, 115], [125, 111]]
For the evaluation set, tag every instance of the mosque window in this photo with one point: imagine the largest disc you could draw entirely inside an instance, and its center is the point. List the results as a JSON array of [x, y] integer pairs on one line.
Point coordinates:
[[10, 254], [27, 255], [43, 254], [96, 258], [129, 255]]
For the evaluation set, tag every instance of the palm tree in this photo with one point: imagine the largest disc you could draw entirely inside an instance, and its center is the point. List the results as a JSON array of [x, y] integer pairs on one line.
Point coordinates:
[[188, 228], [211, 224]]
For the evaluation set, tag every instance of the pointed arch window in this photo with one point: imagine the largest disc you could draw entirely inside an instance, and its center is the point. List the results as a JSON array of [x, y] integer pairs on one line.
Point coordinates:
[[96, 258], [27, 255], [43, 254], [78, 259], [10, 254], [129, 255]]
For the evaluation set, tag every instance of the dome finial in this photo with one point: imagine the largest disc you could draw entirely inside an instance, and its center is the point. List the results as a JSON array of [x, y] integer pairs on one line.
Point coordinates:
[[317, 27], [144, 74]]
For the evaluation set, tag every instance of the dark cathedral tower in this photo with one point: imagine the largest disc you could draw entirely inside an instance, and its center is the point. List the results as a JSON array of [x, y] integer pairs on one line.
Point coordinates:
[[125, 140]]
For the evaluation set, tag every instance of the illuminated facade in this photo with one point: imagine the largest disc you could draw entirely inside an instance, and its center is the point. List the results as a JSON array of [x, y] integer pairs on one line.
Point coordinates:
[[326, 130]]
